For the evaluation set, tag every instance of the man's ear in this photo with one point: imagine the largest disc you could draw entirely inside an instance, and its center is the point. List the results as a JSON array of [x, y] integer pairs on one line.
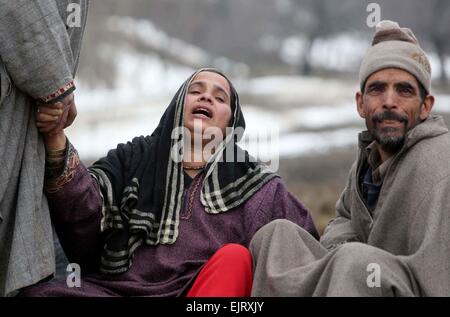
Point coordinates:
[[426, 107], [360, 105]]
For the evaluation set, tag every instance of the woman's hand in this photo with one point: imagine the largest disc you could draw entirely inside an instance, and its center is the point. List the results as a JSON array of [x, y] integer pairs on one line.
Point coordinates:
[[48, 118]]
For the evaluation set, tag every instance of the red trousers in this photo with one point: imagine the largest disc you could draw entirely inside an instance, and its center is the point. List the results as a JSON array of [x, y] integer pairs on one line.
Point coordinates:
[[227, 274]]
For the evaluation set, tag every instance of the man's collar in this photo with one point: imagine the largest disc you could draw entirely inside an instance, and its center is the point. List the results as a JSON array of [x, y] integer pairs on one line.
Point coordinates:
[[365, 139]]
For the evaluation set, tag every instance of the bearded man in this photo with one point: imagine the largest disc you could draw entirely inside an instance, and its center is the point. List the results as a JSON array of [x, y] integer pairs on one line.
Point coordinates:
[[390, 236]]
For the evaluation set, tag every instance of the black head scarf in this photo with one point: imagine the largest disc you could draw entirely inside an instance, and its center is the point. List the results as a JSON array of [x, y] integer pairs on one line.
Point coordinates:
[[142, 186]]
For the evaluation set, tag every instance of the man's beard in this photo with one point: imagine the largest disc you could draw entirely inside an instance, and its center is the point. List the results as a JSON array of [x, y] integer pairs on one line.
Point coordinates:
[[390, 139]]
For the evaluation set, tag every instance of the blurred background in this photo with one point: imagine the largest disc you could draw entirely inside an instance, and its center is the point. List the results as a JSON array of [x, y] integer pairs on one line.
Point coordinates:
[[293, 62]]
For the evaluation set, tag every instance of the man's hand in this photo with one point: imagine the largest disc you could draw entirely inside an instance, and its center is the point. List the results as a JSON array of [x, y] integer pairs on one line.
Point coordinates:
[[68, 115], [71, 115]]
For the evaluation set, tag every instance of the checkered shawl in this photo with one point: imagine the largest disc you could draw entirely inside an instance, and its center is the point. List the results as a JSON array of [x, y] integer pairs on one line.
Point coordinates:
[[142, 186]]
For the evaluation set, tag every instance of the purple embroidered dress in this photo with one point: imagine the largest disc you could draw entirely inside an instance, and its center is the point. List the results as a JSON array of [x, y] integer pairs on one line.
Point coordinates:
[[162, 270]]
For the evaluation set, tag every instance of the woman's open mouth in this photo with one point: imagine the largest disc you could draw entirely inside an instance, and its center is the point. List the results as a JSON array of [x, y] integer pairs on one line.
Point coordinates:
[[202, 113]]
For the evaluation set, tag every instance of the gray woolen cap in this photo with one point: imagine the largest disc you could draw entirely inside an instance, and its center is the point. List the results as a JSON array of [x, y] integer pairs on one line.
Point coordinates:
[[396, 47]]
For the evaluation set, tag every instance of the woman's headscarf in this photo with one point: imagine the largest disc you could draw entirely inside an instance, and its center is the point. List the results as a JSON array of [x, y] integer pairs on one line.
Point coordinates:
[[142, 187]]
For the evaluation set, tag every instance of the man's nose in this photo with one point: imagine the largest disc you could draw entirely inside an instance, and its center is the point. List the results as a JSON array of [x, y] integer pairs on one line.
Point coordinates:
[[390, 101]]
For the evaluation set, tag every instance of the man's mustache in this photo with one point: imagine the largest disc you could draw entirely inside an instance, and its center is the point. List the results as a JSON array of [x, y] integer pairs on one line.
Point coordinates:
[[390, 115]]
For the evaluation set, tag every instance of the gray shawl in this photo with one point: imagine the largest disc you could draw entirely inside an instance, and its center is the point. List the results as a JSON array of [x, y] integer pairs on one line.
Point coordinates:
[[412, 217], [38, 55], [407, 235]]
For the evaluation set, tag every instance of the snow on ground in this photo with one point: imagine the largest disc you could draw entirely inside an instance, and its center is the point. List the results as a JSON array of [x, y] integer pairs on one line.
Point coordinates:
[[442, 104], [343, 52], [140, 78], [147, 34], [299, 90], [300, 144]]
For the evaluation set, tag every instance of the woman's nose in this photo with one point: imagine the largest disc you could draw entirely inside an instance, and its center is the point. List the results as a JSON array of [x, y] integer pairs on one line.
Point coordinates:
[[206, 97]]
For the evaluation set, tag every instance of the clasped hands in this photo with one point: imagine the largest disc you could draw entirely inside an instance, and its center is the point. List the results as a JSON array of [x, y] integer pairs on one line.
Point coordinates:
[[53, 118]]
